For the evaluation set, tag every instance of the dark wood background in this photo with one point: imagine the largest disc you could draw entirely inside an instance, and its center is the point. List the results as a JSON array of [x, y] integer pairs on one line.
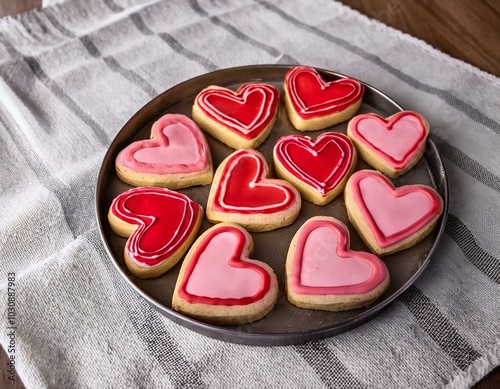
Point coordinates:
[[467, 30]]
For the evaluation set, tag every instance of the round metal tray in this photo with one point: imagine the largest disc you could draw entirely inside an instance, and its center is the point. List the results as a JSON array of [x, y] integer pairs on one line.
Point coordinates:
[[285, 324]]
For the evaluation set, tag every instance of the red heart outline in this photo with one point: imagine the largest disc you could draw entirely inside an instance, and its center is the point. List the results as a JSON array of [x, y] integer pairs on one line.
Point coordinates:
[[247, 112], [312, 96], [165, 219], [303, 166], [239, 188]]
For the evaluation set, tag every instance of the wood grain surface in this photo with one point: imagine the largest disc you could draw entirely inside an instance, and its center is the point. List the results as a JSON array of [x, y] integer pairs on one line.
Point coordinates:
[[467, 30]]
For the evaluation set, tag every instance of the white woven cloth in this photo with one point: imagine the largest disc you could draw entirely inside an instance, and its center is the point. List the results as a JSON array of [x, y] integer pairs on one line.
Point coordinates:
[[73, 73]]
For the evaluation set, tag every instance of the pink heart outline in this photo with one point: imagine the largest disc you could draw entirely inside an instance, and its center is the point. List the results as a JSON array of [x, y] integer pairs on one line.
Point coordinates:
[[349, 260], [159, 139], [235, 258], [383, 145], [370, 203]]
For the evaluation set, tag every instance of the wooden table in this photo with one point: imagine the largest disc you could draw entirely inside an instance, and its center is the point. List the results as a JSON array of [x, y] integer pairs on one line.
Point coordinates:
[[467, 30]]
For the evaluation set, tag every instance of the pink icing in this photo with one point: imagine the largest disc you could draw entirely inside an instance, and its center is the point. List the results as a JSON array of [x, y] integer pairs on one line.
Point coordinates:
[[178, 146], [321, 164], [393, 214], [165, 219], [323, 263], [311, 96], [216, 273], [244, 188], [247, 112], [396, 140]]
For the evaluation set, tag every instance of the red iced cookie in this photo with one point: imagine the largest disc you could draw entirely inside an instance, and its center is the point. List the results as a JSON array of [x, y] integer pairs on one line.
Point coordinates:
[[243, 193], [240, 119], [318, 169], [314, 104], [161, 225]]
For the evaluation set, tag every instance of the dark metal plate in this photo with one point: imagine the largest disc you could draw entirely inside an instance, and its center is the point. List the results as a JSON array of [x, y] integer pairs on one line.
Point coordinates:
[[285, 324]]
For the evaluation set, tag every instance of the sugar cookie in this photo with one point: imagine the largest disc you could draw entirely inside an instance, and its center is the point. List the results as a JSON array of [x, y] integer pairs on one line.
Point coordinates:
[[323, 273], [313, 104], [240, 119], [390, 219], [219, 284]]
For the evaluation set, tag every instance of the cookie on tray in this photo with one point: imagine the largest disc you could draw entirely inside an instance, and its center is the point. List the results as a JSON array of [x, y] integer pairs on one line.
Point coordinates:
[[160, 225], [319, 169], [218, 282], [243, 193], [177, 156], [314, 104], [390, 219], [392, 145], [240, 119], [323, 273]]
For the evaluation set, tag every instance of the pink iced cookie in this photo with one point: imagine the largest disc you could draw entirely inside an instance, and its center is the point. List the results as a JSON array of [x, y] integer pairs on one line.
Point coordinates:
[[390, 219], [323, 273], [176, 156], [392, 145], [219, 284], [314, 104]]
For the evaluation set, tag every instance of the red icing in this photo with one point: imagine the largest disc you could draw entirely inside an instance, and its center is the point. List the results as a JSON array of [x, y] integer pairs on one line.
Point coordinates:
[[396, 140], [243, 187], [311, 96], [164, 220], [393, 214], [321, 164], [332, 268], [234, 261], [247, 112]]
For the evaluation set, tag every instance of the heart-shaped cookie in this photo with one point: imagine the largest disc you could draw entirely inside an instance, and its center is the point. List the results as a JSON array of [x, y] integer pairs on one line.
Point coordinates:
[[314, 104], [323, 273], [176, 156], [392, 145], [390, 219], [240, 119], [161, 225], [318, 169], [218, 283], [242, 193]]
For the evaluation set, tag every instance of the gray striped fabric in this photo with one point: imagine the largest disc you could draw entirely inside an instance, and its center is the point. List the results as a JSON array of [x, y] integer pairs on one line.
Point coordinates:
[[71, 76]]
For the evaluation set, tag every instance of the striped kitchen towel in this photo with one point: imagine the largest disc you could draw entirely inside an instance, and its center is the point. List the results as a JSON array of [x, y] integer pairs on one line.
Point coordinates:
[[74, 72]]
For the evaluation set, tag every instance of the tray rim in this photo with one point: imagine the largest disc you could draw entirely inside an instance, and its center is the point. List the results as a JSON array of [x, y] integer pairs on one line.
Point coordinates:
[[259, 338]]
